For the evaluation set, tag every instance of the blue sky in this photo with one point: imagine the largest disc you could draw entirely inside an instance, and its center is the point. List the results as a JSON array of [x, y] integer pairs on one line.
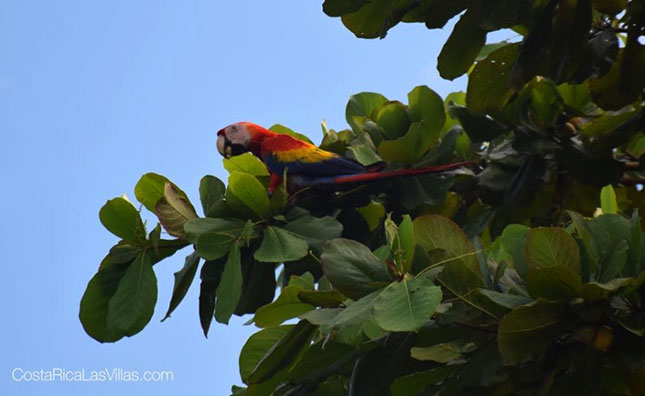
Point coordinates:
[[94, 94]]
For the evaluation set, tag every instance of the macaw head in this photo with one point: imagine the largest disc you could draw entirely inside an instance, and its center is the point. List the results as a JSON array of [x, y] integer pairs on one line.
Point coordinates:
[[239, 138]]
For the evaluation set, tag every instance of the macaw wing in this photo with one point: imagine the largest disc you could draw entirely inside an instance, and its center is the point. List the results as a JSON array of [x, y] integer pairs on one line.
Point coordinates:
[[300, 157]]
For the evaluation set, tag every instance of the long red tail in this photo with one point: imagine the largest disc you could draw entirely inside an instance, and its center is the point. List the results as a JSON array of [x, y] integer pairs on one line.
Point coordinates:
[[370, 176]]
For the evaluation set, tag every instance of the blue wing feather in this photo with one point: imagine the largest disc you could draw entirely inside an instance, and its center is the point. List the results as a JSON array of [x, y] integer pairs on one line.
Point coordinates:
[[335, 166]]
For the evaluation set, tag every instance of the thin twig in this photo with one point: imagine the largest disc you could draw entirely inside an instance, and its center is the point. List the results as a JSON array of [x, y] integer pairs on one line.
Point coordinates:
[[438, 263]]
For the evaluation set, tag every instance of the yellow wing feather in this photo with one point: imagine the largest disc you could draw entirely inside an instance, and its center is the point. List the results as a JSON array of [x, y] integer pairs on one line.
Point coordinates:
[[305, 155]]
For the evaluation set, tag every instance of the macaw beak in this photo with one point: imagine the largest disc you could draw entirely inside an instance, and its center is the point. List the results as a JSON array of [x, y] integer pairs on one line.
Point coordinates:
[[224, 145]]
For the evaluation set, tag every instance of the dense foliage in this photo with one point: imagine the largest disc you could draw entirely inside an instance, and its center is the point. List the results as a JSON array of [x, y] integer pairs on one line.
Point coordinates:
[[522, 275]]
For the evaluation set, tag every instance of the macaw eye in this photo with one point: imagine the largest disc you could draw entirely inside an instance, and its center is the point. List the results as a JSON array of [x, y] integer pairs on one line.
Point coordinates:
[[221, 144]]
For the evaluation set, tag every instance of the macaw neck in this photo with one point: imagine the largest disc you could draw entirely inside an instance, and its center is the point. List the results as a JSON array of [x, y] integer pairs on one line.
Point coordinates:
[[257, 139]]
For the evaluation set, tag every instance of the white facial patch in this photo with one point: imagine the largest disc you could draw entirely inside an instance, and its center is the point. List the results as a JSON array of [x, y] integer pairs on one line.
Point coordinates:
[[237, 134], [220, 144]]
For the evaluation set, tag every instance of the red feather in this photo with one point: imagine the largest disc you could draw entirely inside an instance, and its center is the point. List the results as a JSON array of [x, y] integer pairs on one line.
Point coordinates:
[[371, 176]]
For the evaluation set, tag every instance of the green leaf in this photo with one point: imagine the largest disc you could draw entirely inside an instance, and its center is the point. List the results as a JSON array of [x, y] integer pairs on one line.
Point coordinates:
[[553, 283], [424, 104], [453, 98], [510, 301], [257, 346], [133, 303], [198, 226], [364, 154], [279, 245], [575, 95], [554, 264], [304, 282], [320, 358], [406, 241], [513, 240], [173, 211], [489, 83], [250, 192], [352, 268], [608, 200], [376, 17], [284, 353], [393, 119], [287, 306], [213, 237], [322, 317], [353, 318], [541, 103], [605, 124], [478, 128], [167, 247], [462, 47], [94, 304], [444, 352], [229, 289], [214, 245], [210, 275], [551, 247], [361, 107], [155, 237], [371, 130], [336, 142], [151, 188], [410, 147], [451, 248], [427, 189], [336, 8], [463, 147], [211, 191], [245, 163], [373, 213], [636, 145], [434, 13], [607, 231], [624, 82], [595, 291], [529, 329], [277, 128], [259, 285], [489, 49], [183, 279], [635, 246], [124, 253], [407, 305], [391, 230], [584, 232], [401, 241], [315, 230], [122, 219], [439, 234], [322, 298], [352, 324], [615, 262]]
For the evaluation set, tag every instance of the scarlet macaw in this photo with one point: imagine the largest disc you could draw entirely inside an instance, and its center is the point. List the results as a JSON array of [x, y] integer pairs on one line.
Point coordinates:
[[305, 164]]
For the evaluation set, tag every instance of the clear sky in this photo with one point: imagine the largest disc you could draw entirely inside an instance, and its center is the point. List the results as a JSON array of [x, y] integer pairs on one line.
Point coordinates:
[[94, 94]]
